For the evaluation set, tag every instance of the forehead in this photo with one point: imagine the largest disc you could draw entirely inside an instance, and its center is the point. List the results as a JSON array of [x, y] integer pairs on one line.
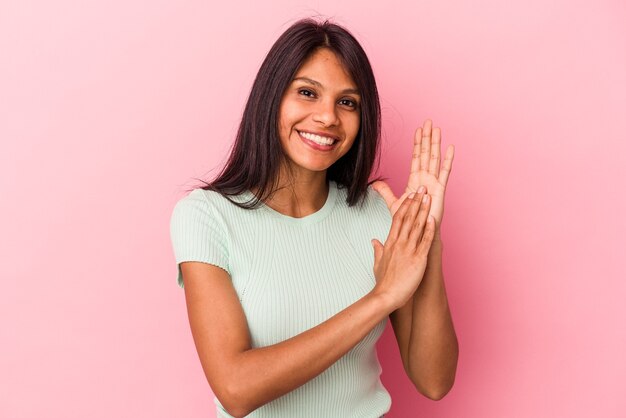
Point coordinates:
[[326, 67]]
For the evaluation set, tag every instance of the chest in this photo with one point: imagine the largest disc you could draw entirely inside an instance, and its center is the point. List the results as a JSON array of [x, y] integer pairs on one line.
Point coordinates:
[[298, 279]]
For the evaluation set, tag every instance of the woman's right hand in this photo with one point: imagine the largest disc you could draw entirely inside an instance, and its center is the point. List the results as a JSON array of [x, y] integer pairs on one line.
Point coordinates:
[[400, 264]]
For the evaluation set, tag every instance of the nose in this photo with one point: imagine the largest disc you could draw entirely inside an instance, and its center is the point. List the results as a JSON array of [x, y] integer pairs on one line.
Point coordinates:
[[326, 113]]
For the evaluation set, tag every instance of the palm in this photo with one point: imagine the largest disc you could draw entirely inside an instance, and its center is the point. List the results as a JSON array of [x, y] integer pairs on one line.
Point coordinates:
[[426, 171], [434, 188]]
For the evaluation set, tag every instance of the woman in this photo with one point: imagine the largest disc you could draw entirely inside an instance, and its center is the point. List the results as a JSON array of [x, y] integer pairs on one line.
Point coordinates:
[[286, 298]]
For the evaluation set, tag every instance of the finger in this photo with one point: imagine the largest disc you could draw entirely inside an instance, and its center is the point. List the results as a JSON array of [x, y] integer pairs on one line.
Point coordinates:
[[446, 166], [417, 144], [435, 152], [396, 220], [425, 149], [378, 250], [427, 238], [420, 220], [409, 217], [385, 191]]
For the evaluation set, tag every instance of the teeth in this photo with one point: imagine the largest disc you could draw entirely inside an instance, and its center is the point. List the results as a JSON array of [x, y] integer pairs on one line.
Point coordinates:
[[322, 140]]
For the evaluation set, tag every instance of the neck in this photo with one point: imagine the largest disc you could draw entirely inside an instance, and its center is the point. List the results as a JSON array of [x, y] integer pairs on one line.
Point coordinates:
[[300, 196]]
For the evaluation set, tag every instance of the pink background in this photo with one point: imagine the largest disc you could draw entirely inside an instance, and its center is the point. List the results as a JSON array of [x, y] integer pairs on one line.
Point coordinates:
[[109, 109]]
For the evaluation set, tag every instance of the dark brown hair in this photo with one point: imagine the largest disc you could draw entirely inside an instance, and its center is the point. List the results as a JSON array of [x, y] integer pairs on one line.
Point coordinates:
[[256, 155]]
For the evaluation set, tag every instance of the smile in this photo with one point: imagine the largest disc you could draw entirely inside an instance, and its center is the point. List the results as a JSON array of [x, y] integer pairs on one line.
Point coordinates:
[[322, 143]]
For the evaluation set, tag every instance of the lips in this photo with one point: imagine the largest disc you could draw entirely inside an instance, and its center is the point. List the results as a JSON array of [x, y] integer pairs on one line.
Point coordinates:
[[308, 138]]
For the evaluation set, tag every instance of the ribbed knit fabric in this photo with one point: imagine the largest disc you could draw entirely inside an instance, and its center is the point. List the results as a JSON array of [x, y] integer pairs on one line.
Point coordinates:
[[292, 274]]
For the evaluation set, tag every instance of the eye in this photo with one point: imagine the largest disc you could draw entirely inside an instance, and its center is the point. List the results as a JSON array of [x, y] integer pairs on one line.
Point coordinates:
[[306, 93], [349, 102]]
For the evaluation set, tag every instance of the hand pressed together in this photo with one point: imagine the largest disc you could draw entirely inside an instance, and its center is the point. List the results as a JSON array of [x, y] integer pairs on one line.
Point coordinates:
[[399, 265]]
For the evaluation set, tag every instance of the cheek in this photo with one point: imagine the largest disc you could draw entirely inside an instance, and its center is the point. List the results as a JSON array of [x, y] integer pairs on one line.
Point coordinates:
[[355, 124], [285, 121]]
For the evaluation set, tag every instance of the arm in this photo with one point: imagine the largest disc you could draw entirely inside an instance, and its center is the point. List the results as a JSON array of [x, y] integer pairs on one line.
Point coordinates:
[[425, 333], [243, 378], [423, 326]]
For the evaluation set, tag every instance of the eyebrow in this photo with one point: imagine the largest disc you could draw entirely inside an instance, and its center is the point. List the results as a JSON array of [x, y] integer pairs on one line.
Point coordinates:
[[318, 84]]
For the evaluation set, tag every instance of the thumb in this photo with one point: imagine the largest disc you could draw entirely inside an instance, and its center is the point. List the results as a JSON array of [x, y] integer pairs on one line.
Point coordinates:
[[385, 191], [378, 250]]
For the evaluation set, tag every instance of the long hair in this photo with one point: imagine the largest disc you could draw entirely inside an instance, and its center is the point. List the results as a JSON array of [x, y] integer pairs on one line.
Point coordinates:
[[257, 154]]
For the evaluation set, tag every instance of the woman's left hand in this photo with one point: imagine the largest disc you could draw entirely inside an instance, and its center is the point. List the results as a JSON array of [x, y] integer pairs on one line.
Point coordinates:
[[425, 171]]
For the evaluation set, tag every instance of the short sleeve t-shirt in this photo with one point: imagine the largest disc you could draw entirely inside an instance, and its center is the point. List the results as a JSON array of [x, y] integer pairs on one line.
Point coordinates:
[[290, 275]]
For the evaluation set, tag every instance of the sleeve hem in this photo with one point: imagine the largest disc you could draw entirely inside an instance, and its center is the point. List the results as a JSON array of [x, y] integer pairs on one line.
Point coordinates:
[[179, 279]]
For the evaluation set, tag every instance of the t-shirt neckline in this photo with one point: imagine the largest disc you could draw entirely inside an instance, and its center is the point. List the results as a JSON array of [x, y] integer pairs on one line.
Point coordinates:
[[311, 218]]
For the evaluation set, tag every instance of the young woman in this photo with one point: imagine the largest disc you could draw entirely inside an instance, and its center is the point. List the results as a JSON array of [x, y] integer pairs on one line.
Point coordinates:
[[287, 283]]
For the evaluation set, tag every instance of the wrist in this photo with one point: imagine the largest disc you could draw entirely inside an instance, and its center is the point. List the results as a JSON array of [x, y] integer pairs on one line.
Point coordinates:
[[436, 248], [383, 300], [437, 238]]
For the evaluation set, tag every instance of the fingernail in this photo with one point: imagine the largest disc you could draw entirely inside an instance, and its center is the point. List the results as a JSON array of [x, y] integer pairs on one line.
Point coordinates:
[[430, 219], [421, 189], [425, 198], [411, 195]]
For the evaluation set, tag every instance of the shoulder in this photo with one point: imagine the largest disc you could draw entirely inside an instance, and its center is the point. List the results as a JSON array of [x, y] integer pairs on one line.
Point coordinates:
[[375, 199], [372, 202], [200, 201], [370, 215], [197, 207], [202, 207], [199, 197], [377, 209], [197, 231]]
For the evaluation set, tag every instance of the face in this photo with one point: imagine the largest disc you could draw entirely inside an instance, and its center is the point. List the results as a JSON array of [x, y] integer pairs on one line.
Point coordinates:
[[319, 115]]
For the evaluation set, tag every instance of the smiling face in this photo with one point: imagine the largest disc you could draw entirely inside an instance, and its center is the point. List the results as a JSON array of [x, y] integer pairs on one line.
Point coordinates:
[[319, 114]]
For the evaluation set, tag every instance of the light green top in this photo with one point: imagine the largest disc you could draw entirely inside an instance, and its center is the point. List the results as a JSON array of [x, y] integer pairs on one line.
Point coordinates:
[[292, 274]]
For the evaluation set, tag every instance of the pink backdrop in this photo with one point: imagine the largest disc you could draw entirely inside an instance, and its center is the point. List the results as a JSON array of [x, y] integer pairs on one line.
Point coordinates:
[[108, 109]]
